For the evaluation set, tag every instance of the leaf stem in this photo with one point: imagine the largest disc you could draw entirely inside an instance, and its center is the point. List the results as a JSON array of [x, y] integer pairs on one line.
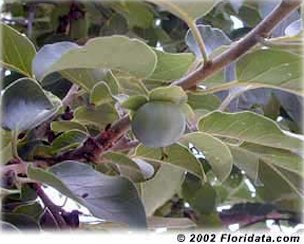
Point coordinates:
[[199, 40], [143, 87], [15, 144]]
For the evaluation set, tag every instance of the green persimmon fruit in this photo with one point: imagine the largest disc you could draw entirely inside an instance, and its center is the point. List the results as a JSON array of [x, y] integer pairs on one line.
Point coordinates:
[[158, 123]]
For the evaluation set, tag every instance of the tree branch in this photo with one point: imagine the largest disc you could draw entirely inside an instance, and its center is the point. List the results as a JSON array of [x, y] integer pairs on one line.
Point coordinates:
[[69, 97], [238, 49], [92, 148]]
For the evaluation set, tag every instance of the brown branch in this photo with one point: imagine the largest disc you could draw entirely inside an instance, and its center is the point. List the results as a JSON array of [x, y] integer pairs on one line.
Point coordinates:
[[125, 144], [69, 97], [92, 148], [115, 132], [239, 48]]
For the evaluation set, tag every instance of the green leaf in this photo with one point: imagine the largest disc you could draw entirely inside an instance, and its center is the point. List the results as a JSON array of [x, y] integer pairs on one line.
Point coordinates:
[[247, 161], [17, 51], [6, 152], [20, 221], [137, 14], [176, 155], [114, 52], [213, 39], [199, 100], [288, 186], [101, 94], [111, 198], [291, 44], [79, 28], [174, 94], [241, 194], [171, 66], [249, 127], [88, 78], [99, 116], [201, 197], [31, 209], [68, 140], [126, 165], [189, 113], [284, 167], [25, 105], [247, 157], [161, 187], [134, 102], [129, 84], [85, 78], [187, 11], [216, 152], [283, 72], [62, 126]]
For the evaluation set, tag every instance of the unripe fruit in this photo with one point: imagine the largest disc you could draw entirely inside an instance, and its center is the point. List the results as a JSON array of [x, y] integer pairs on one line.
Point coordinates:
[[158, 123]]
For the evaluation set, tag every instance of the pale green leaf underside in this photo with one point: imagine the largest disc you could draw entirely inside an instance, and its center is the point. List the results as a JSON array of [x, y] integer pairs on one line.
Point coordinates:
[[248, 157], [99, 116], [271, 67], [280, 186], [248, 127], [174, 94], [110, 198], [115, 52], [176, 155], [215, 151], [101, 94], [161, 187], [126, 165], [62, 126], [186, 10], [134, 102], [171, 66]]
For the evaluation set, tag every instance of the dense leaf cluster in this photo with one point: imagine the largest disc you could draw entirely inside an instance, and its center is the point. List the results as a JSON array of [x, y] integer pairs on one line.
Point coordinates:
[[90, 107]]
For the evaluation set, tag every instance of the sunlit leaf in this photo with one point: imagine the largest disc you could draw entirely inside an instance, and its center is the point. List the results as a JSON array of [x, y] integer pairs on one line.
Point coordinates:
[[101, 94], [174, 94], [17, 50], [114, 52]]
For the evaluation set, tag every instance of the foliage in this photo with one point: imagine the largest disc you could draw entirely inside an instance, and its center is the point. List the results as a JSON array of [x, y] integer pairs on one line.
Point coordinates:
[[94, 104]]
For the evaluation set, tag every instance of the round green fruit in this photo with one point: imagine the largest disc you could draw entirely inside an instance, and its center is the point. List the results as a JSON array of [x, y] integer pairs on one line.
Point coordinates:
[[158, 124]]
